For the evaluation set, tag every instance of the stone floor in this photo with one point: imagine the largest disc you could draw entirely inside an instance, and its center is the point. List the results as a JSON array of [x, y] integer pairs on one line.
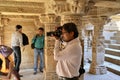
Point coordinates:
[[28, 75]]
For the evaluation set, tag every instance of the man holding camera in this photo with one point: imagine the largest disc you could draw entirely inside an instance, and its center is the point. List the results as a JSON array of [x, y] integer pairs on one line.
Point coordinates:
[[68, 57]]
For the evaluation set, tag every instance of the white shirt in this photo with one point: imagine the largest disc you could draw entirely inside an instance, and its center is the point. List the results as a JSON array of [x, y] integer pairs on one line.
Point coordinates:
[[17, 39], [69, 59]]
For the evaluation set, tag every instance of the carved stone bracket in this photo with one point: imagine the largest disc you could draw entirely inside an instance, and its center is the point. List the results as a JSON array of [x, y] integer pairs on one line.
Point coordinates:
[[5, 21], [49, 18], [57, 6], [38, 23], [88, 6], [76, 6], [63, 6]]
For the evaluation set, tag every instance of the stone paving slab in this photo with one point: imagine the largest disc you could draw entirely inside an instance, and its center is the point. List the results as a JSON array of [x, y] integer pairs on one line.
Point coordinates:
[[28, 75]]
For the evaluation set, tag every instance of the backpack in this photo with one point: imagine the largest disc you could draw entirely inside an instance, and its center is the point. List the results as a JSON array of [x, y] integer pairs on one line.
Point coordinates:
[[25, 39]]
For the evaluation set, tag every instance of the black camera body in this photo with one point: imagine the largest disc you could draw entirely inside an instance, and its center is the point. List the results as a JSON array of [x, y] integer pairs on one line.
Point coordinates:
[[56, 33]]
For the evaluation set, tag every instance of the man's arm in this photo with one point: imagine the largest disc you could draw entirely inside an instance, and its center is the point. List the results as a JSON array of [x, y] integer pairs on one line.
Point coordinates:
[[13, 72]]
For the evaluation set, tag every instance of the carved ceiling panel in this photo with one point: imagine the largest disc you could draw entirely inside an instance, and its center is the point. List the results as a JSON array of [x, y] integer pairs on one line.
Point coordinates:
[[108, 4], [21, 7], [36, 7]]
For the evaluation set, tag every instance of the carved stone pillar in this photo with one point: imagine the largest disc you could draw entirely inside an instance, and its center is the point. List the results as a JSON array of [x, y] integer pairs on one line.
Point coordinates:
[[3, 23], [103, 20], [84, 21], [50, 22], [98, 51], [1, 34], [1, 29]]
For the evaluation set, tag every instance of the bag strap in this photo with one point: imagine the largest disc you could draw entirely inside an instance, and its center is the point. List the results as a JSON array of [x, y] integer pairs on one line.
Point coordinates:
[[35, 38], [82, 61]]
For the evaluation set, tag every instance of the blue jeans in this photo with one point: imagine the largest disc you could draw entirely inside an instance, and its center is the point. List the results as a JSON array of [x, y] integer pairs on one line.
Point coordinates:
[[17, 57], [38, 53]]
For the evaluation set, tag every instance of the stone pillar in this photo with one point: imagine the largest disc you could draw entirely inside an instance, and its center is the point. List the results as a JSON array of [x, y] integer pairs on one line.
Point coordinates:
[[50, 23], [97, 66], [3, 23], [1, 31], [75, 18], [1, 34], [103, 20]]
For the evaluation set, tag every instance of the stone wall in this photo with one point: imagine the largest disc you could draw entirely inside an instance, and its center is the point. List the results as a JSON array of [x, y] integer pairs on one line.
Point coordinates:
[[29, 29]]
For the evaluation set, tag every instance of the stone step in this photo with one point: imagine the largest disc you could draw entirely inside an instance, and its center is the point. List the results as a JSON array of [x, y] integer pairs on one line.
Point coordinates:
[[112, 67], [114, 52], [112, 59], [115, 38], [107, 41], [101, 37], [114, 46], [116, 34], [111, 42], [106, 45]]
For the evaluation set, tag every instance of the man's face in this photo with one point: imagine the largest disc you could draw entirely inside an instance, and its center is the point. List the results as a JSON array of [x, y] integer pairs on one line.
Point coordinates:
[[20, 30], [67, 36], [40, 32]]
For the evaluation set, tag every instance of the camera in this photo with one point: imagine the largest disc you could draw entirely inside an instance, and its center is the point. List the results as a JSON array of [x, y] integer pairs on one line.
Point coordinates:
[[56, 33]]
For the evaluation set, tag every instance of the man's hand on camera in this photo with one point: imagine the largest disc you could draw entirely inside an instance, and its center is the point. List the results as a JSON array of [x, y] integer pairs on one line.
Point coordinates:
[[57, 38]]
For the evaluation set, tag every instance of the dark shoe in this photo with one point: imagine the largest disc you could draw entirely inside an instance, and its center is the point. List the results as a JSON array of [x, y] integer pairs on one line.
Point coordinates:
[[20, 75], [41, 70], [35, 73]]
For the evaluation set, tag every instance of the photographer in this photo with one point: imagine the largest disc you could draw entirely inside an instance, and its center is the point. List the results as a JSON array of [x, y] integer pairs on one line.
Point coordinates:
[[68, 56]]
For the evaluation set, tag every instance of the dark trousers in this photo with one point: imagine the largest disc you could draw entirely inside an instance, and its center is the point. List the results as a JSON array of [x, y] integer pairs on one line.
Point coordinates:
[[17, 57], [65, 78]]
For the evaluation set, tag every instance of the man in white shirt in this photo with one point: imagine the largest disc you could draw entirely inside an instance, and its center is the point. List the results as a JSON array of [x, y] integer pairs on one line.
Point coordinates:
[[16, 43], [68, 57]]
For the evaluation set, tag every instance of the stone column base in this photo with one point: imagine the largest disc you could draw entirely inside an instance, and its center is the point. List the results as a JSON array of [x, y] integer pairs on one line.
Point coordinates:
[[50, 76], [98, 70]]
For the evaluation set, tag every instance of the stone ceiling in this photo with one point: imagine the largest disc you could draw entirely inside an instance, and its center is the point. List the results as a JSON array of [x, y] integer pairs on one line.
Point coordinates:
[[33, 8]]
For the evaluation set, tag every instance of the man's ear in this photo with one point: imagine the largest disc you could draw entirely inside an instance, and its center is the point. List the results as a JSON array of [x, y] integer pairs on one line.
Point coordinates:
[[72, 33]]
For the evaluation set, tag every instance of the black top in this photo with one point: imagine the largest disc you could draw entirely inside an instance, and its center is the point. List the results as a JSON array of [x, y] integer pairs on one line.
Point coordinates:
[[25, 39]]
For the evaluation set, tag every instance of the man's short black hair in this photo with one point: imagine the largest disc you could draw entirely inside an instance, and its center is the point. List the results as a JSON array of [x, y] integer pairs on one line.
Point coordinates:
[[18, 27], [1, 62], [71, 27], [41, 29]]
